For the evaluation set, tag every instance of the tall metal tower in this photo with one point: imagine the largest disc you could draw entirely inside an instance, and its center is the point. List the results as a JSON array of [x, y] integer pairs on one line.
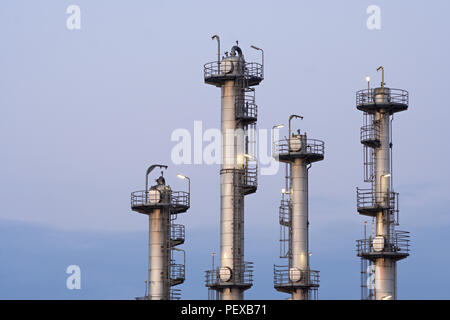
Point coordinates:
[[162, 205], [298, 152], [384, 246], [238, 174]]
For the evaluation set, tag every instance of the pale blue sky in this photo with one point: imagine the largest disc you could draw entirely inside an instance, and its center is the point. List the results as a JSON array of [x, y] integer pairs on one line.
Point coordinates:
[[83, 113]]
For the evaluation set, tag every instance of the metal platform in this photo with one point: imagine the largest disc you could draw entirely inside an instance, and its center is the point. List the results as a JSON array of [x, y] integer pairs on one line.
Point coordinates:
[[250, 179], [284, 213], [177, 274], [387, 99], [246, 109], [369, 202], [216, 73], [179, 202], [282, 282], [396, 248], [245, 281], [177, 234], [370, 135], [287, 150]]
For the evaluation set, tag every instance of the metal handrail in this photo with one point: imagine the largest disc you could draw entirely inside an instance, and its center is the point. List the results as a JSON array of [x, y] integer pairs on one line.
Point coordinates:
[[369, 199], [245, 107], [251, 175], [367, 96], [370, 132], [313, 146], [177, 232], [397, 242], [216, 69], [212, 277], [284, 212], [177, 271], [175, 294], [176, 198], [281, 277]]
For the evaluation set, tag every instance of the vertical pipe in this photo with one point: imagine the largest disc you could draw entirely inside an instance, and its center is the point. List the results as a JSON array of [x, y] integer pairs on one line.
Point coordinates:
[[299, 200]]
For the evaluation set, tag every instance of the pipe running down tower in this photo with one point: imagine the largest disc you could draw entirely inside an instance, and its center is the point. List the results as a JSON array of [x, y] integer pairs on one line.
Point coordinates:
[[238, 174], [162, 205], [296, 278], [384, 245]]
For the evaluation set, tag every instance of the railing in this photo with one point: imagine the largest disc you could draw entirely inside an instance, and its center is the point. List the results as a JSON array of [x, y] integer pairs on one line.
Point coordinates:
[[369, 199], [309, 278], [177, 272], [216, 69], [369, 96], [177, 232], [176, 199], [313, 146], [245, 107], [175, 294], [370, 132], [242, 277], [284, 213], [398, 242], [251, 175]]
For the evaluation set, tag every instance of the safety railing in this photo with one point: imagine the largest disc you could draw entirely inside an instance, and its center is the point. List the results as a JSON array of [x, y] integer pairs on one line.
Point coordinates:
[[175, 294], [370, 134], [251, 175], [177, 272], [398, 242], [370, 96], [281, 277], [286, 146], [284, 213], [223, 68], [242, 276], [246, 108], [367, 199], [175, 199], [177, 233]]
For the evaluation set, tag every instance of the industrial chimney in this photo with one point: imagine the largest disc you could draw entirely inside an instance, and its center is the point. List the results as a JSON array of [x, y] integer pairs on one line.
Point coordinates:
[[162, 205], [384, 245], [238, 175], [298, 152]]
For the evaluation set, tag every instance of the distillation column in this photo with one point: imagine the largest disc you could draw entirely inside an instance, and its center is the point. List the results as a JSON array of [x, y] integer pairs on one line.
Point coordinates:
[[162, 205], [300, 255], [382, 249], [298, 152], [159, 260], [238, 111], [231, 197]]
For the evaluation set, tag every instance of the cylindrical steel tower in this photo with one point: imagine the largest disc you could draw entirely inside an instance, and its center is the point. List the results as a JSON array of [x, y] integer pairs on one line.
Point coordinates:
[[380, 250], [162, 205], [298, 152], [238, 174]]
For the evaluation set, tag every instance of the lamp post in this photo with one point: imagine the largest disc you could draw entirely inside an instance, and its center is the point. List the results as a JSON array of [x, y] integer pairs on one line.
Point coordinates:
[[382, 75], [279, 126], [189, 184], [290, 118], [218, 50], [262, 53]]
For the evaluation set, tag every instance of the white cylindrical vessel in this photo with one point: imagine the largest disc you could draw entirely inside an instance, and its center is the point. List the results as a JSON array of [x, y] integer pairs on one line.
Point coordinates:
[[384, 267], [299, 202], [232, 197], [158, 255]]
